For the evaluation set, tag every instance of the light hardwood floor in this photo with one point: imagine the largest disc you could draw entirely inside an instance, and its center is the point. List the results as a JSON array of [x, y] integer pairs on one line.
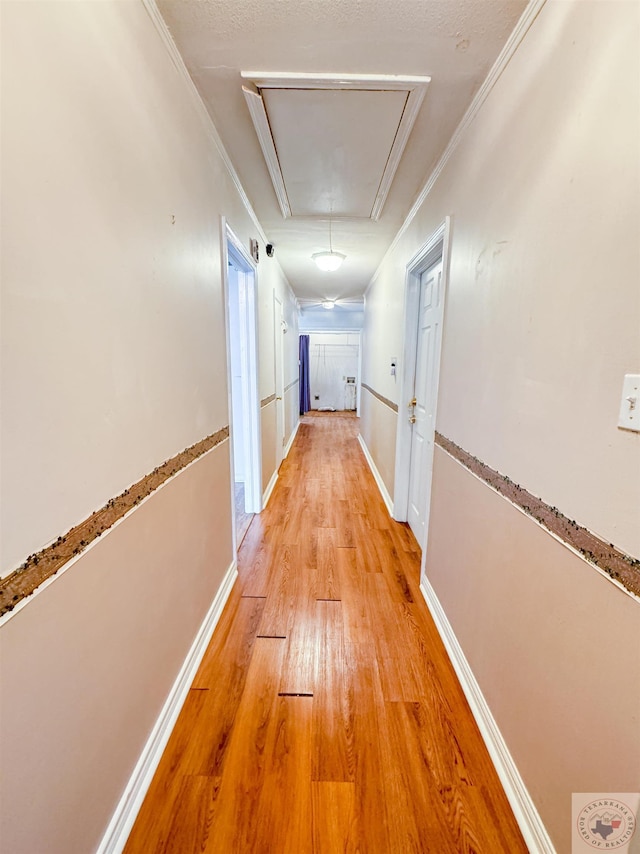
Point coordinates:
[[326, 716]]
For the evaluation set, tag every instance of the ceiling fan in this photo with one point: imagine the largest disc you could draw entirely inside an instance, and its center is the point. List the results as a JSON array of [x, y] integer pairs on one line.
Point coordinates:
[[330, 303]]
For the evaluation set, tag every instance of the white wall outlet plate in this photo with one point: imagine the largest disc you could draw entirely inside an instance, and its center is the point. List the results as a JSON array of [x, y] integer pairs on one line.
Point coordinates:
[[630, 403]]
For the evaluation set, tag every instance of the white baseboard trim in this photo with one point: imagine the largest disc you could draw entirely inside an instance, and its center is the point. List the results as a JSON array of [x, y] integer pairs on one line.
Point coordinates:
[[287, 447], [267, 493], [377, 477], [119, 828], [527, 816]]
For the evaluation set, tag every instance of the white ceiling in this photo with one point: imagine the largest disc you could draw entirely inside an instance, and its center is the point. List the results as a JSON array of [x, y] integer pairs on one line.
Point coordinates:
[[332, 145]]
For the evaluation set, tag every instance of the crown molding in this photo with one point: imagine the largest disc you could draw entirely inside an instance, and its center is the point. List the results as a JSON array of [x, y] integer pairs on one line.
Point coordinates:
[[207, 121], [512, 44]]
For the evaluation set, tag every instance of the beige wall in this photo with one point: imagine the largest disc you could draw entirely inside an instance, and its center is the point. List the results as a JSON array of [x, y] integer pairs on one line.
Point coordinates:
[[552, 643], [268, 424], [542, 316], [382, 338], [541, 323], [88, 663], [112, 318], [292, 407], [113, 361], [378, 428]]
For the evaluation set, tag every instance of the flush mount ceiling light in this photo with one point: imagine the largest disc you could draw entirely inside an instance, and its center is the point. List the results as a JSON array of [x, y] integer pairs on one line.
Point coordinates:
[[328, 304], [328, 261]]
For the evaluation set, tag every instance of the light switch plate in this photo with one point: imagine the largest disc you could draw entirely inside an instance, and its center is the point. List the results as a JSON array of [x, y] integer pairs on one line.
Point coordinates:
[[630, 404]]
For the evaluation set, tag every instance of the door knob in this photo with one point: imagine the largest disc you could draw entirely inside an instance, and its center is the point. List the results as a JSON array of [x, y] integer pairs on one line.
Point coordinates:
[[412, 403], [412, 419]]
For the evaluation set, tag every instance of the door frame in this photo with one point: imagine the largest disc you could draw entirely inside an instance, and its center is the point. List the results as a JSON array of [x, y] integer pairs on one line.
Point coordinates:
[[278, 374], [437, 247], [233, 250], [347, 331]]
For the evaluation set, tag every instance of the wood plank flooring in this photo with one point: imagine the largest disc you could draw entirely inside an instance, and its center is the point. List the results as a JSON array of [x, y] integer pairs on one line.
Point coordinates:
[[326, 716]]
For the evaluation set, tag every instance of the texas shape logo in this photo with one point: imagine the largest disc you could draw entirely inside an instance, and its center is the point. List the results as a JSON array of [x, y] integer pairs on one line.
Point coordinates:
[[606, 824]]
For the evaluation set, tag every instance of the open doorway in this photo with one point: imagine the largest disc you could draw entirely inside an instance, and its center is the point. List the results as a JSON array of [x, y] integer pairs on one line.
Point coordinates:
[[332, 374], [242, 373]]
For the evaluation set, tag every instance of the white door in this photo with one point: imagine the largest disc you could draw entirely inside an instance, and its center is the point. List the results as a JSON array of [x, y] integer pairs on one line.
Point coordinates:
[[425, 397], [278, 333]]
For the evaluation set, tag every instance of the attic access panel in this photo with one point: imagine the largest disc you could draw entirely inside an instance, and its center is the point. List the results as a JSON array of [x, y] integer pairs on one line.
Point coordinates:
[[333, 144]]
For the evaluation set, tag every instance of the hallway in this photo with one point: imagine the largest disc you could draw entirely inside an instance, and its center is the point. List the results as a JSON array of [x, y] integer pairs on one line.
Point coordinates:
[[325, 715]]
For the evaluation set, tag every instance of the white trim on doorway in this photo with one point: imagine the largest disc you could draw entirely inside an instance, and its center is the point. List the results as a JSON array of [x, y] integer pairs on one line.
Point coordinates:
[[233, 251], [279, 326], [435, 248]]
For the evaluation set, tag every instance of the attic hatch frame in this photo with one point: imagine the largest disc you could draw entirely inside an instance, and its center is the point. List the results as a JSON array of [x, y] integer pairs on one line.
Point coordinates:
[[257, 81]]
